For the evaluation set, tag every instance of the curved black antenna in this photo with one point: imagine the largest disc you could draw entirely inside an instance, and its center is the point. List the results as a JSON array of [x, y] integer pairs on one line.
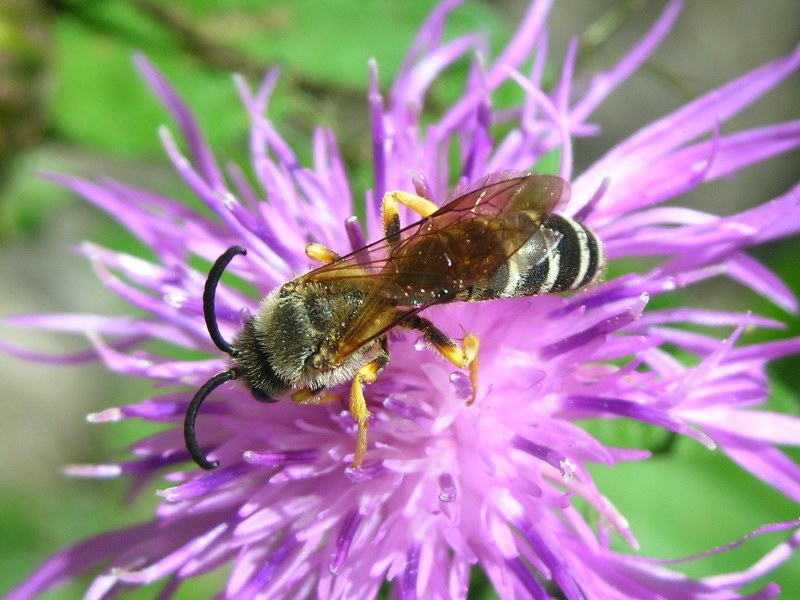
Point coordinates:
[[209, 291], [189, 435], [209, 313]]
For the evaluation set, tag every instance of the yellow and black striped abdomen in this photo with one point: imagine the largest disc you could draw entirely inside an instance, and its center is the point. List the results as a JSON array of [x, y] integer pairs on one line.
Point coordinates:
[[562, 255]]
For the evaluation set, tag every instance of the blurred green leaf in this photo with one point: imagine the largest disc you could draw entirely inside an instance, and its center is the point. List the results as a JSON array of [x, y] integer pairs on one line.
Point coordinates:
[[101, 102], [690, 502]]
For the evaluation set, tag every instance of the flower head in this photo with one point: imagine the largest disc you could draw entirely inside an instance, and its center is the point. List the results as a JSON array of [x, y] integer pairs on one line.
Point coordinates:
[[446, 485]]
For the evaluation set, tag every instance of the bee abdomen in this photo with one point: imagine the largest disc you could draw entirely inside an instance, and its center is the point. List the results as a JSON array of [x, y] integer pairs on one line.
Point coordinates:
[[580, 254], [562, 255]]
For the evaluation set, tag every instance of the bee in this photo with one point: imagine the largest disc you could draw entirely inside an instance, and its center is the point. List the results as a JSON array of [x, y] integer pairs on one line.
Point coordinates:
[[497, 239]]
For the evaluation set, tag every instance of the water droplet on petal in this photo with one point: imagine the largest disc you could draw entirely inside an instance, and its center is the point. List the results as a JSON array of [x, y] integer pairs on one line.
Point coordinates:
[[175, 299], [447, 487], [462, 384], [567, 468]]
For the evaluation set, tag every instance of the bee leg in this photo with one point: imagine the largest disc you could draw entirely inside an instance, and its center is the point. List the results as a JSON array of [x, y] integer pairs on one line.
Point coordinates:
[[418, 204], [358, 405], [305, 397], [391, 218], [463, 356], [320, 253]]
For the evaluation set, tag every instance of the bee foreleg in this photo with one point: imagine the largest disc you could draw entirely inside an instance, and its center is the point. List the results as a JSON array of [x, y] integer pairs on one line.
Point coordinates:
[[358, 405], [463, 356], [305, 397], [320, 253]]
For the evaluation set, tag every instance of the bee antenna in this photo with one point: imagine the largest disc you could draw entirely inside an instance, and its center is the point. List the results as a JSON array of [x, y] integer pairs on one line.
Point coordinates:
[[209, 293], [189, 434]]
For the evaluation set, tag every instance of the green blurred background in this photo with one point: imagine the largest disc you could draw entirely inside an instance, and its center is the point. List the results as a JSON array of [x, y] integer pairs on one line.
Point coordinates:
[[71, 102]]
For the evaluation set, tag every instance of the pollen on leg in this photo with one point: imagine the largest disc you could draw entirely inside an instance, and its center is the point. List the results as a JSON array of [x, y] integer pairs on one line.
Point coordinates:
[[358, 408], [462, 356], [471, 346], [471, 352], [465, 356], [358, 404], [390, 216], [321, 253], [305, 397], [418, 204]]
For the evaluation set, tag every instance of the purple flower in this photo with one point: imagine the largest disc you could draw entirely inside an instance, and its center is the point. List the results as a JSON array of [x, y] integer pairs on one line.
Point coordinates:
[[445, 485]]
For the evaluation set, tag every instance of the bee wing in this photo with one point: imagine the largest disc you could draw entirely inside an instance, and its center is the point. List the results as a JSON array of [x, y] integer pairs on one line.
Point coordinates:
[[435, 259], [540, 184]]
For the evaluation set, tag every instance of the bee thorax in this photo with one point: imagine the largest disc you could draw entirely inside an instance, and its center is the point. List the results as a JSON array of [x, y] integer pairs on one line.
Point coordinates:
[[291, 341]]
